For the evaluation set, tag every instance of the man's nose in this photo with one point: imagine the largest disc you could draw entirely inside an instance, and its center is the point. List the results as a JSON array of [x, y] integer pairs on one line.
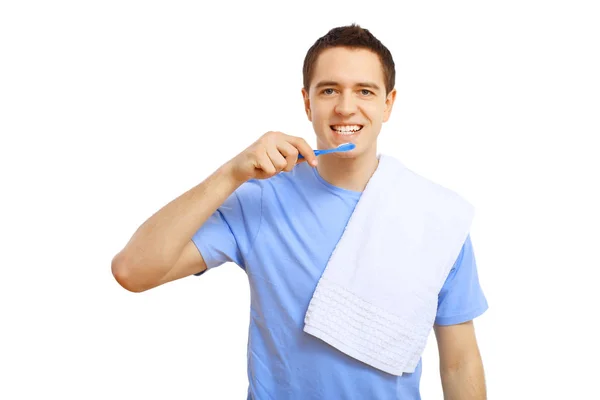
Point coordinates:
[[346, 105]]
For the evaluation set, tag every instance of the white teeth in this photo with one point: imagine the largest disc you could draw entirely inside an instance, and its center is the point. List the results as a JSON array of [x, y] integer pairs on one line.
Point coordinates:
[[346, 129]]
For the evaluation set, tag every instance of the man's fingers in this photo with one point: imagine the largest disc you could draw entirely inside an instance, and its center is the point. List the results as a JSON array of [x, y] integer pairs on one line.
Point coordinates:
[[290, 153], [277, 158], [272, 153], [304, 149], [265, 164]]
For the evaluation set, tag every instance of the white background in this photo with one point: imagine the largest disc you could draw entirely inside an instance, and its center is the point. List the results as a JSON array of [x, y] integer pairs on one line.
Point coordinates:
[[108, 110]]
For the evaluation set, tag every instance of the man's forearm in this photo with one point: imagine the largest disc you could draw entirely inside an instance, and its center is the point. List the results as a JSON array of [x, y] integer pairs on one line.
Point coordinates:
[[158, 242], [464, 382]]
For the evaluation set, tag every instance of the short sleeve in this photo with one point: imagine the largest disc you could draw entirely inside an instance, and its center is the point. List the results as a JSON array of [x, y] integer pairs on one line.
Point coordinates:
[[461, 298], [228, 234]]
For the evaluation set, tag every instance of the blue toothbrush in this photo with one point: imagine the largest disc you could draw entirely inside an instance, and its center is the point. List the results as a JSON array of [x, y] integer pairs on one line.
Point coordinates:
[[340, 148]]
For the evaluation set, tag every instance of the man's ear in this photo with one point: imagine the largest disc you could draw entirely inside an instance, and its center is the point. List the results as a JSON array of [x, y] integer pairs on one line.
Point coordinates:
[[389, 103], [306, 104]]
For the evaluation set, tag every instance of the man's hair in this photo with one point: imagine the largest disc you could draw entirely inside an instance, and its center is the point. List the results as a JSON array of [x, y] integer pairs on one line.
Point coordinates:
[[353, 37]]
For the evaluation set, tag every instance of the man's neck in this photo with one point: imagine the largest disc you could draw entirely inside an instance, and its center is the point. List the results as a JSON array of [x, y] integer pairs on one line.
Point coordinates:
[[348, 173]]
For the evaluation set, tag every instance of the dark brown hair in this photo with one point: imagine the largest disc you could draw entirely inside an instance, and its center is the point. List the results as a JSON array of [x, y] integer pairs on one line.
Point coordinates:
[[354, 37]]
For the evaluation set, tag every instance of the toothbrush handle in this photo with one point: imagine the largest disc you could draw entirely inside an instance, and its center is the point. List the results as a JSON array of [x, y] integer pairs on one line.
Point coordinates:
[[318, 153]]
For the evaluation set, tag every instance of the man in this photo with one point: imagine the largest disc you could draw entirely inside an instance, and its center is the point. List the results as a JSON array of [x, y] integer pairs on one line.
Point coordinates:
[[279, 218]]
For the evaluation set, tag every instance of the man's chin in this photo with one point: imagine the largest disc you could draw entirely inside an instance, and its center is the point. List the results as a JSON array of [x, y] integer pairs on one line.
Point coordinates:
[[346, 154]]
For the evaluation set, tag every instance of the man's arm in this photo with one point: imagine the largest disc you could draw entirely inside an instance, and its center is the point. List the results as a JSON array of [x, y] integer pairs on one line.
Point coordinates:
[[461, 367], [161, 249]]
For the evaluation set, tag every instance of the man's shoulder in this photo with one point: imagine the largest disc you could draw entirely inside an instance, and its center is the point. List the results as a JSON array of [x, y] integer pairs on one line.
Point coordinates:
[[276, 188], [298, 177], [426, 191]]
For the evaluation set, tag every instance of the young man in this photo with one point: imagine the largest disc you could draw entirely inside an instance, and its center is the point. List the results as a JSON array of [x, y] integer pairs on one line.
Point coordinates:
[[279, 218]]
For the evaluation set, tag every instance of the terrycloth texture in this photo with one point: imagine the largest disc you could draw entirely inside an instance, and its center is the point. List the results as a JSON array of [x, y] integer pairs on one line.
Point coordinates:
[[377, 298]]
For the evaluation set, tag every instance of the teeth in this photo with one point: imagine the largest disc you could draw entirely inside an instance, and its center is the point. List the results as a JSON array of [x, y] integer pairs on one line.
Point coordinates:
[[346, 129]]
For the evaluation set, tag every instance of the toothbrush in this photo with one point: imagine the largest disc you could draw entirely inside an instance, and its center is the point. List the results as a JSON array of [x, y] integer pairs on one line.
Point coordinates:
[[340, 148]]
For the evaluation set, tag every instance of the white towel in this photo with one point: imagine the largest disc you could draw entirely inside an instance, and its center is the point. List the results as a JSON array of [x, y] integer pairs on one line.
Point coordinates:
[[377, 298]]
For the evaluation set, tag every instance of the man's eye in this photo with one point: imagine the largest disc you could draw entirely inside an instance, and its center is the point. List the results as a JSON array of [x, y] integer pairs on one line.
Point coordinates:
[[328, 91], [366, 92]]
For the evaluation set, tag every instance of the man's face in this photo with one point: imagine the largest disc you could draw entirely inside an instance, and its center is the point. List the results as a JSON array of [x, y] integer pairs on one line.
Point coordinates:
[[346, 101]]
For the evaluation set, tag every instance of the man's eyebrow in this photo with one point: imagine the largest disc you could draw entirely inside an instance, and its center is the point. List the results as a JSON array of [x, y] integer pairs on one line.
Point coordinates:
[[369, 85], [326, 83], [360, 84]]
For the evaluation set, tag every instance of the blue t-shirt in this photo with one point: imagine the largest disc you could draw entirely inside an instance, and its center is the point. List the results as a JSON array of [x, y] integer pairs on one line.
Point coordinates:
[[282, 231]]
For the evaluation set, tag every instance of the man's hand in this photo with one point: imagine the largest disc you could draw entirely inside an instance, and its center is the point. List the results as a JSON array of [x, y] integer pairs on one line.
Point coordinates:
[[270, 154]]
